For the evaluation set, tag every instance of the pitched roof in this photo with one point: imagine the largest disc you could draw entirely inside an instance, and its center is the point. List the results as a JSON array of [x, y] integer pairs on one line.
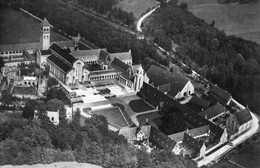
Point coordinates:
[[154, 97], [142, 118], [213, 111], [45, 52], [63, 66], [103, 55], [81, 53], [128, 133], [121, 56], [146, 130], [159, 76], [63, 53], [243, 116], [62, 44], [161, 140], [199, 101], [88, 44], [220, 93], [120, 64], [189, 140], [45, 23], [193, 133]]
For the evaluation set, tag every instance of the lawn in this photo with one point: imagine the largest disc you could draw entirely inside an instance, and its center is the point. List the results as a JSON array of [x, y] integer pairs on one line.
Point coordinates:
[[17, 28], [139, 106], [113, 116], [138, 7]]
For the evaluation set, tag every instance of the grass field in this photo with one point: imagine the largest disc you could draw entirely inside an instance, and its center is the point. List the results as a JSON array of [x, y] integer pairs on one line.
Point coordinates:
[[113, 116], [17, 28], [138, 7], [139, 106]]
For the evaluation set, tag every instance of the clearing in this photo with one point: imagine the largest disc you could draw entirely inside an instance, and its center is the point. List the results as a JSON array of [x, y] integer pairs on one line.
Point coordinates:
[[18, 28], [138, 7]]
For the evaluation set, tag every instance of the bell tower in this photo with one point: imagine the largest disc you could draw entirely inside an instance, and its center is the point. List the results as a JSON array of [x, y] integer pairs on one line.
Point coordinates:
[[45, 34], [139, 78]]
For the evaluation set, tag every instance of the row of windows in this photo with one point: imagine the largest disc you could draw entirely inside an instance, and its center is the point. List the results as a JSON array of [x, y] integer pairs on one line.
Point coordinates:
[[46, 36], [46, 29], [11, 52]]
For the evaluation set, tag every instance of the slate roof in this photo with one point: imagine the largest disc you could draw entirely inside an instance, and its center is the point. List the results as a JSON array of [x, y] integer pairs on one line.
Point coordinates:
[[45, 52], [199, 101], [161, 140], [120, 64], [103, 55], [159, 76], [189, 140], [62, 44], [45, 23], [146, 130], [129, 133], [81, 53], [63, 53], [88, 44], [193, 133], [220, 93], [243, 116], [121, 56], [142, 119], [63, 66], [213, 111], [26, 90], [154, 97]]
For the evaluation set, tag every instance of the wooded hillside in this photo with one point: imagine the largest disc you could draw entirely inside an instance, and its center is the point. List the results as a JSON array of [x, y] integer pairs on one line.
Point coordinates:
[[229, 61]]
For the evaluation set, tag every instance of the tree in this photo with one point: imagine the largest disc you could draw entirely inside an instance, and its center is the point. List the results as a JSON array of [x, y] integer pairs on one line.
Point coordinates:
[[29, 109], [46, 71], [52, 82], [1, 63], [55, 105], [9, 151], [144, 160], [6, 97]]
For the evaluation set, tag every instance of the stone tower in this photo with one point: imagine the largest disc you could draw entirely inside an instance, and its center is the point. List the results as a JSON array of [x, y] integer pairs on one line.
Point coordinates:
[[138, 78], [45, 35]]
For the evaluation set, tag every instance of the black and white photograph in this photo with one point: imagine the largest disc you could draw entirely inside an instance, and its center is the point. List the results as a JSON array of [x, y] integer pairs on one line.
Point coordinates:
[[129, 83]]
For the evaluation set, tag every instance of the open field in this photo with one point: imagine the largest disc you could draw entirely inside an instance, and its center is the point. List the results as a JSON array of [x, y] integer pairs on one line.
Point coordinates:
[[138, 7], [113, 116], [55, 165], [242, 20], [139, 106], [17, 28]]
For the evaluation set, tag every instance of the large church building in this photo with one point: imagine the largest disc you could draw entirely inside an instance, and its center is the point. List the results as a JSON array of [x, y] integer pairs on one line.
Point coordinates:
[[73, 65]]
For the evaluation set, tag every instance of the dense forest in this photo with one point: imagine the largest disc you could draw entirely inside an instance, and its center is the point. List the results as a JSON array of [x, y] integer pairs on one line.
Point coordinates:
[[32, 138], [108, 9], [229, 61]]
